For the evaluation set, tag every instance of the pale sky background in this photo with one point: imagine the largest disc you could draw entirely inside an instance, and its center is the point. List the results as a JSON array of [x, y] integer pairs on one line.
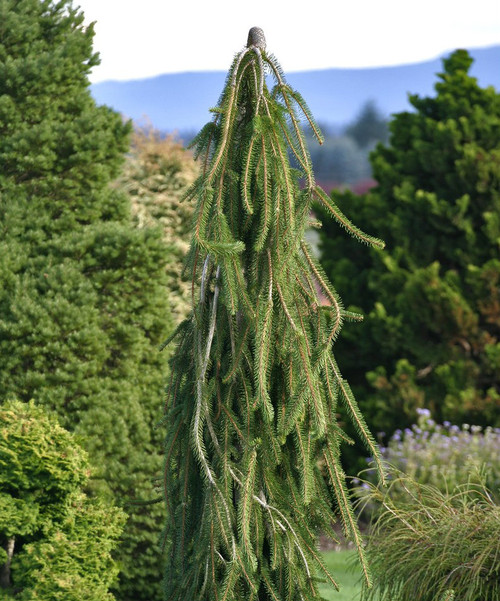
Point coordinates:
[[151, 37]]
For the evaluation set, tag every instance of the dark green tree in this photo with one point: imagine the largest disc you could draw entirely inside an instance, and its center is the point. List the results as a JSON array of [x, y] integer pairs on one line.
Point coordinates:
[[369, 127], [432, 300], [343, 158], [339, 160], [82, 301], [252, 470], [55, 540]]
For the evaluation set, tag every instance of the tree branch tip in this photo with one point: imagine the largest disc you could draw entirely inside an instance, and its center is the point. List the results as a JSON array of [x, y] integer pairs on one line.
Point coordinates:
[[256, 38]]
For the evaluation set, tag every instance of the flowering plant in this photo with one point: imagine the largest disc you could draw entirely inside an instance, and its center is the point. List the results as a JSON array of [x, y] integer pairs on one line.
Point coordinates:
[[445, 455], [442, 455]]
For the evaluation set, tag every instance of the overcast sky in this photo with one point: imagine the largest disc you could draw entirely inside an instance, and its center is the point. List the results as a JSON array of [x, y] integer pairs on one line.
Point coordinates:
[[151, 37]]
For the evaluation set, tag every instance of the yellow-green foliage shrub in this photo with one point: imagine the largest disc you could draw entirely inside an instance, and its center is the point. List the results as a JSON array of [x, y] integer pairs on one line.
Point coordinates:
[[55, 541], [157, 174]]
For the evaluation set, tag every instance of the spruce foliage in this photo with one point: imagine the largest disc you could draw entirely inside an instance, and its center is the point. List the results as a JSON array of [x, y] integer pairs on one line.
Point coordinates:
[[252, 467]]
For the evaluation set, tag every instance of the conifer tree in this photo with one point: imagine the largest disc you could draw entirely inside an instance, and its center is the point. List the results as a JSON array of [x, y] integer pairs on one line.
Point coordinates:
[[433, 296], [157, 172], [82, 302], [252, 452]]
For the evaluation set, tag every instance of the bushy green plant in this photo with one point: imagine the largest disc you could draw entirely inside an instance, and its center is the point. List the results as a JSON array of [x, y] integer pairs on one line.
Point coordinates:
[[156, 175], [56, 541], [431, 300], [431, 545], [83, 307]]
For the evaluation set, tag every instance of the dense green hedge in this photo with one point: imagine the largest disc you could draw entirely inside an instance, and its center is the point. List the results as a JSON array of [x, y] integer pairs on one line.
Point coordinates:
[[83, 303]]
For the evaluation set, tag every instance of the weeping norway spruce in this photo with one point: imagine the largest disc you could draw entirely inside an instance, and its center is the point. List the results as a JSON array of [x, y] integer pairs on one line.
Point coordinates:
[[252, 453]]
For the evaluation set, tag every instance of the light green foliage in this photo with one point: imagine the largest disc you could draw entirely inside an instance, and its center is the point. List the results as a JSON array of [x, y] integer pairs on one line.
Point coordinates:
[[431, 545], [82, 289], [252, 452], [432, 300], [156, 175], [60, 539]]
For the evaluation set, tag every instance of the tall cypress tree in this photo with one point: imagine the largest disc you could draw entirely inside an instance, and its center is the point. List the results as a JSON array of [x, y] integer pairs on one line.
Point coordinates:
[[252, 466]]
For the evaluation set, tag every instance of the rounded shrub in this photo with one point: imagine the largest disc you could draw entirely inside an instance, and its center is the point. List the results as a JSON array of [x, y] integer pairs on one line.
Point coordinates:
[[56, 541]]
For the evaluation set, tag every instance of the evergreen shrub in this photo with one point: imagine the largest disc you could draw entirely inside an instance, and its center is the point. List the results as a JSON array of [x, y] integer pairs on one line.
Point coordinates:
[[83, 307], [252, 453], [431, 300], [157, 172], [56, 541]]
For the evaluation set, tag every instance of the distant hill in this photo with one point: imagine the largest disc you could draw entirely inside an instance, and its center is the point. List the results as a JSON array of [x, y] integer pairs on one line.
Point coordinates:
[[180, 101]]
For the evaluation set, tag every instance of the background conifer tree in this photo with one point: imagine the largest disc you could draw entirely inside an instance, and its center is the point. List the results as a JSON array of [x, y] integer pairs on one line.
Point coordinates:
[[369, 127], [157, 172], [252, 467], [431, 300], [82, 298]]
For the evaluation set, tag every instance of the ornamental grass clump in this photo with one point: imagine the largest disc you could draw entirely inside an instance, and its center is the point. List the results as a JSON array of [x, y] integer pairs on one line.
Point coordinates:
[[429, 545], [252, 453]]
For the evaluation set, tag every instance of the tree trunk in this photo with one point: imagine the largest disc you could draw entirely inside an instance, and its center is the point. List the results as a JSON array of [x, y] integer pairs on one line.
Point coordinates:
[[5, 568]]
